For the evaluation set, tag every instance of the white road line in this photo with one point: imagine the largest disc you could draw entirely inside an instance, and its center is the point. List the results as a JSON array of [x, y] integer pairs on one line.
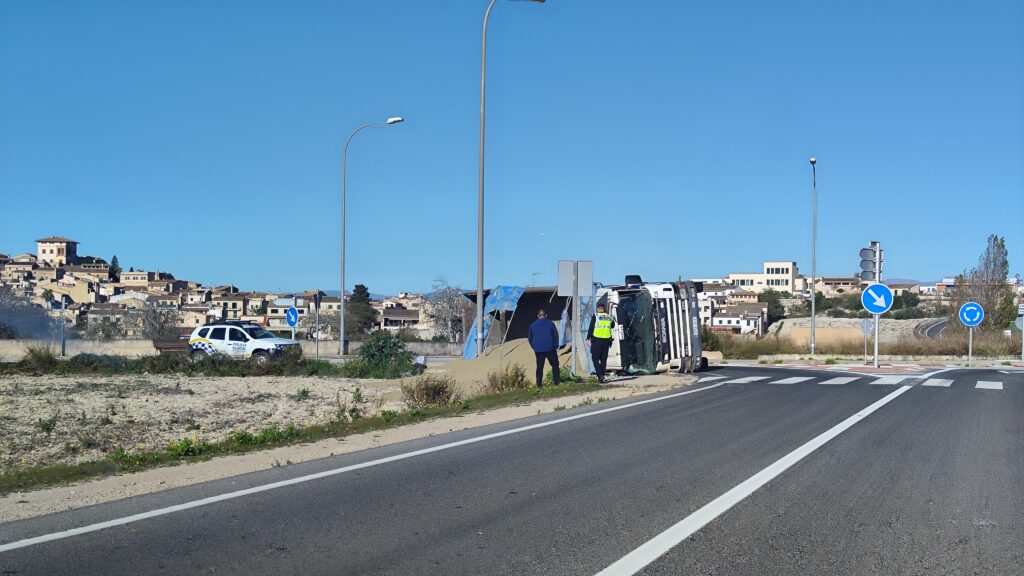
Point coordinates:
[[890, 380], [326, 473], [989, 385], [937, 382], [793, 380], [711, 378], [652, 549], [746, 380], [840, 380]]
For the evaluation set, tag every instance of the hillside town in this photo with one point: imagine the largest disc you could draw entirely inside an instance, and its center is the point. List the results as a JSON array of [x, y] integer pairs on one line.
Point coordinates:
[[88, 291]]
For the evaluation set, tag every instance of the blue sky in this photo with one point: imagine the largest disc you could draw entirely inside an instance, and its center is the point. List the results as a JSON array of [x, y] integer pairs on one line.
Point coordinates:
[[665, 138]]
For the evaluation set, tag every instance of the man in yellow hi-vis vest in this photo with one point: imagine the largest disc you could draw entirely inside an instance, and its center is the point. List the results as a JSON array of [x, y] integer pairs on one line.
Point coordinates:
[[599, 339]]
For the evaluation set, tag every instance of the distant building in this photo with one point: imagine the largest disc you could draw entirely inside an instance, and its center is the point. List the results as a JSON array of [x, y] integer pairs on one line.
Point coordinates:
[[781, 276], [57, 251]]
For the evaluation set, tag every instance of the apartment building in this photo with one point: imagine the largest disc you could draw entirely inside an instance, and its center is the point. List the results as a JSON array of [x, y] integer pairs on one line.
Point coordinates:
[[778, 275]]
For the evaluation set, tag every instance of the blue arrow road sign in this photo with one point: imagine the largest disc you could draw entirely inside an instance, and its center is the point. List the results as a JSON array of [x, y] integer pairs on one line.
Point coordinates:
[[292, 316], [971, 314], [876, 298]]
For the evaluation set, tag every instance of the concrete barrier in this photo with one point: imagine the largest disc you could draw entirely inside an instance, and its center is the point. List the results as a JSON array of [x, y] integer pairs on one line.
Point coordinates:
[[14, 350]]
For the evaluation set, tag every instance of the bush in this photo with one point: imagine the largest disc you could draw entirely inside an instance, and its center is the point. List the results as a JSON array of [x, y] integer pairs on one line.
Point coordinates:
[[385, 356], [187, 447], [430, 391], [563, 374], [40, 357], [512, 378]]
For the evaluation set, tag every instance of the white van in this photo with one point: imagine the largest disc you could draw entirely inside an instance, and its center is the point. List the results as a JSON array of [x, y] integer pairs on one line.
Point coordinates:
[[239, 340]]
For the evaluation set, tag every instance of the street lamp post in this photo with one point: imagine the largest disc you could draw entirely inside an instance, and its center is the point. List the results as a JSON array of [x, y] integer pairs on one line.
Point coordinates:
[[814, 240], [342, 343], [480, 189]]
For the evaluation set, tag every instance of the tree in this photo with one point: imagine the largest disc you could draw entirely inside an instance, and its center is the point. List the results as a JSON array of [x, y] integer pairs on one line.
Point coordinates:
[[776, 311], [47, 296], [115, 268], [159, 322], [359, 315], [986, 285], [446, 309]]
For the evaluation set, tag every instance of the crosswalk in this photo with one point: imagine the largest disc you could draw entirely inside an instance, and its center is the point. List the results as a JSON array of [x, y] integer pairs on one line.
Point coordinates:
[[868, 379]]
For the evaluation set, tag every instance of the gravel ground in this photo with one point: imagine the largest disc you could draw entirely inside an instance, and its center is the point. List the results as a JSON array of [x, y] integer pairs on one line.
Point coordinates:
[[888, 330], [92, 415]]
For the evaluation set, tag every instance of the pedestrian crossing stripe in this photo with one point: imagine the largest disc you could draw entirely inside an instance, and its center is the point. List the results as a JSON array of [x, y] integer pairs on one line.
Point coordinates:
[[793, 380], [989, 385], [710, 378], [937, 382], [889, 380], [840, 380], [745, 380]]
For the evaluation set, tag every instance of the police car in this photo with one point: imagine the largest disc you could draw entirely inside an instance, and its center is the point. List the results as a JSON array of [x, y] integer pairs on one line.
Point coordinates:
[[239, 340]]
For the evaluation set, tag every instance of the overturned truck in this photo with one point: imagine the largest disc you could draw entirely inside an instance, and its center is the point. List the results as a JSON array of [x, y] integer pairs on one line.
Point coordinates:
[[657, 326]]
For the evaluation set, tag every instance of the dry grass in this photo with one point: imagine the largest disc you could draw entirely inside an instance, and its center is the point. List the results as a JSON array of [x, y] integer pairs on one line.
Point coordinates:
[[986, 344]]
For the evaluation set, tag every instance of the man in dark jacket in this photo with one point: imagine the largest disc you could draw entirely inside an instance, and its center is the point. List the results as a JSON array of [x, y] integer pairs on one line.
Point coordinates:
[[544, 341]]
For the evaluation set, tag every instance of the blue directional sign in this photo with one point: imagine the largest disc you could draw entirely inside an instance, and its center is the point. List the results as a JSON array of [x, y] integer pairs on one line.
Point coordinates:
[[876, 298], [971, 314], [292, 316]]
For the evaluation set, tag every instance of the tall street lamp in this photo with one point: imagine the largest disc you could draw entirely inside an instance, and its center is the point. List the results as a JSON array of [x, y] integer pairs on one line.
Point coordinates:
[[814, 239], [342, 343], [480, 190]]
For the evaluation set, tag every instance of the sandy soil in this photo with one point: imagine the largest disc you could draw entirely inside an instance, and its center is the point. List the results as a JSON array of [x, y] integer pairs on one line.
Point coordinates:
[[93, 415], [229, 404]]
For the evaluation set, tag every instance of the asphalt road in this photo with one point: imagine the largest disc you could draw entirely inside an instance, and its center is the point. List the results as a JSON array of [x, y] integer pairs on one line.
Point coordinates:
[[934, 330], [931, 482]]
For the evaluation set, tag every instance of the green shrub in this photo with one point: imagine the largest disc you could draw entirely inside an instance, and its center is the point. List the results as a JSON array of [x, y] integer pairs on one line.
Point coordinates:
[[513, 377], [430, 391], [388, 415], [385, 356], [564, 375], [47, 424], [40, 357], [831, 361], [188, 446]]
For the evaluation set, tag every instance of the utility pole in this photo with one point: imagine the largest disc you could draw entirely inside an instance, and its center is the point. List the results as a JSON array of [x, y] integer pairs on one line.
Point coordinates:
[[814, 242]]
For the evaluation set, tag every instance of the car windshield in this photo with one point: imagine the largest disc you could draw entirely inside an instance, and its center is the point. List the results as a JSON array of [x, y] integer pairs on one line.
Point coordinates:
[[259, 333]]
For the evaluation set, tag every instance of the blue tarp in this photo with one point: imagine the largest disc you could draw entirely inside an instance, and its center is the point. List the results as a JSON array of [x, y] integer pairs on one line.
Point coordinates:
[[502, 298]]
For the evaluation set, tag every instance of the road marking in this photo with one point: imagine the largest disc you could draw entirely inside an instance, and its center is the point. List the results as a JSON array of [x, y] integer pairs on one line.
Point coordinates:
[[890, 380], [710, 378], [326, 473], [937, 382], [989, 385], [746, 380], [840, 380], [652, 549], [793, 380]]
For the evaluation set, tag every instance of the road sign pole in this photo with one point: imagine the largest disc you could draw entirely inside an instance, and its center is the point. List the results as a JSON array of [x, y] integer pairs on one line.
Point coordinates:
[[575, 311], [878, 278], [865, 347], [970, 345]]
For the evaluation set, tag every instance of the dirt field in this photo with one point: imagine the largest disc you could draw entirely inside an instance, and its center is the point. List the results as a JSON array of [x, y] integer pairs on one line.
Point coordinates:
[[53, 419]]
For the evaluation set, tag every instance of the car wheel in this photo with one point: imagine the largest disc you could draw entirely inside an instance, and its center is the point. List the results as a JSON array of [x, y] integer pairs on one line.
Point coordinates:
[[260, 358], [196, 356]]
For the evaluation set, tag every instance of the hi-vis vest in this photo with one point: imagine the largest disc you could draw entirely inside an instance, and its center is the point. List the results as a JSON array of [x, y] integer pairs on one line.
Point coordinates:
[[603, 326]]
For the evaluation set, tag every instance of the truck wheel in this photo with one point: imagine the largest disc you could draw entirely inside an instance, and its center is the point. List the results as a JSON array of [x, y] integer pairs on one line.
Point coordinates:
[[703, 362], [260, 358]]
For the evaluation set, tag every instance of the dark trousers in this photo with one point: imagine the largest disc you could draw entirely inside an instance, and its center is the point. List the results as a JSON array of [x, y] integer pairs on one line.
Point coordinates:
[[552, 357], [599, 353]]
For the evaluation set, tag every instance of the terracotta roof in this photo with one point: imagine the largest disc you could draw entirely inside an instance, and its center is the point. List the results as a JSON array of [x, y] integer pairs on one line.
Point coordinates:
[[58, 239]]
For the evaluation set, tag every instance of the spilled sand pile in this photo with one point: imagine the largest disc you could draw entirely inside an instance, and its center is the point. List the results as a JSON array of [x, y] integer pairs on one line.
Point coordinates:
[[471, 375]]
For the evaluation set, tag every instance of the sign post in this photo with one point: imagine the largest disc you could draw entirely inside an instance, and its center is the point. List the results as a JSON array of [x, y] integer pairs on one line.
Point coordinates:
[[871, 271], [876, 299], [574, 278], [971, 314], [865, 329], [316, 331], [1019, 323]]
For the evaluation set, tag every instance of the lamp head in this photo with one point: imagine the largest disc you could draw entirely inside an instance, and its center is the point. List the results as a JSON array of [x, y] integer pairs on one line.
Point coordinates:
[[813, 160], [394, 120]]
